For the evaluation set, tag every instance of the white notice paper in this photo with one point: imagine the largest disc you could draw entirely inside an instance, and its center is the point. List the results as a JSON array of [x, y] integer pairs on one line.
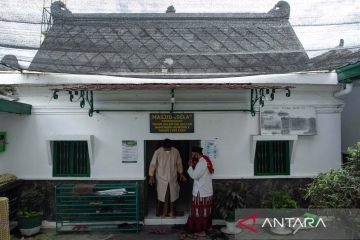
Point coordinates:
[[129, 151], [210, 149]]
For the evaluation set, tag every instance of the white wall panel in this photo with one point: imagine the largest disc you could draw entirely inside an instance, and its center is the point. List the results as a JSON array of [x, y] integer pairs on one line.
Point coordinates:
[[26, 154]]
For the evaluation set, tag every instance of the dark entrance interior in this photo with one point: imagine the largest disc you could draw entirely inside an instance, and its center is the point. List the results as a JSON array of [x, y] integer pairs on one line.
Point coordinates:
[[184, 201]]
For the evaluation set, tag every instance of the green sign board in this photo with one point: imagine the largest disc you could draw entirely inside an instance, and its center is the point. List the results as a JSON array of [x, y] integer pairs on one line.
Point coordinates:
[[171, 123]]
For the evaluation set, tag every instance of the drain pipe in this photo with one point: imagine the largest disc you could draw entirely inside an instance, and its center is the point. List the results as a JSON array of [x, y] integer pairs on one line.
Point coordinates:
[[347, 89]]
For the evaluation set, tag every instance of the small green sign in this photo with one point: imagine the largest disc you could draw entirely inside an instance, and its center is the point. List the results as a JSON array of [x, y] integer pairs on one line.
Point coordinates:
[[129, 151]]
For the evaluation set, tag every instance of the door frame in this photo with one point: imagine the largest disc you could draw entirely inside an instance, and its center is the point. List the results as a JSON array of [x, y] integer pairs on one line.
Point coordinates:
[[192, 142]]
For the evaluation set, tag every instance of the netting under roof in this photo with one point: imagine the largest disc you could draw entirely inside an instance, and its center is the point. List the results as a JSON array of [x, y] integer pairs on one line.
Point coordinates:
[[59, 37]]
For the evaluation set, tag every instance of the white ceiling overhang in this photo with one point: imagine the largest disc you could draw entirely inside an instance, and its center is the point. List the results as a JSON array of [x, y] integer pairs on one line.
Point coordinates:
[[53, 79]]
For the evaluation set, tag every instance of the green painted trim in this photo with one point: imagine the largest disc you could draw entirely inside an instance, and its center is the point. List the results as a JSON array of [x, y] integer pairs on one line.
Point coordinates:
[[349, 73], [14, 107]]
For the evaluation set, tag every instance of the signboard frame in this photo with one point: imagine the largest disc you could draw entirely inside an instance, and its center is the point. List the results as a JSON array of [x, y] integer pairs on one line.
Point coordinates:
[[171, 123]]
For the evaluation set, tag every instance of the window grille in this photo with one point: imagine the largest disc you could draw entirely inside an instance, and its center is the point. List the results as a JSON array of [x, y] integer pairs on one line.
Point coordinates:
[[70, 159], [272, 158]]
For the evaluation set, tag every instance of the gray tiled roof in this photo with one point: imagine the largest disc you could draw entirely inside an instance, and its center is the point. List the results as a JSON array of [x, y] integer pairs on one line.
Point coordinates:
[[333, 59], [9, 63], [171, 44], [4, 68]]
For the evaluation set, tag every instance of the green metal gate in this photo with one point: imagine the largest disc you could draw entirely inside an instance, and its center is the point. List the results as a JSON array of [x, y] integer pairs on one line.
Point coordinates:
[[109, 207]]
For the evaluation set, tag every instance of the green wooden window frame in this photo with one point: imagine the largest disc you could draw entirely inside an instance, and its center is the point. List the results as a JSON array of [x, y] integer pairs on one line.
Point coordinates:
[[272, 158], [2, 141], [70, 159]]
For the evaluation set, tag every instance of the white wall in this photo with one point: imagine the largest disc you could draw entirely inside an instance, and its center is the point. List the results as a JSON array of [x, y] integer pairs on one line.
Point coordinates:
[[26, 154], [350, 119]]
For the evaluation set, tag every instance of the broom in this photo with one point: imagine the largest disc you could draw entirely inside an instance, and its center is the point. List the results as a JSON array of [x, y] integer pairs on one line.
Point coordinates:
[[4, 219]]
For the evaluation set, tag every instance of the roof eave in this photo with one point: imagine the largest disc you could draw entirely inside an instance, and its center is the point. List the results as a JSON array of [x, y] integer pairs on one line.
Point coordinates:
[[176, 16], [47, 79], [349, 73]]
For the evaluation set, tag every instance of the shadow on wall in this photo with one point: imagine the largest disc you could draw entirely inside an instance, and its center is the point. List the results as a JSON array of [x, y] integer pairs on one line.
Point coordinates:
[[258, 189]]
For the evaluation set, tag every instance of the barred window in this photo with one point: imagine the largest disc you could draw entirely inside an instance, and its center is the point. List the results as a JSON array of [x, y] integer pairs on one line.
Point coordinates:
[[70, 159], [272, 158]]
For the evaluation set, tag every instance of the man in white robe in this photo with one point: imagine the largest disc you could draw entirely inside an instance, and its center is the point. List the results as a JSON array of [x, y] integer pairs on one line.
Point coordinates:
[[165, 166]]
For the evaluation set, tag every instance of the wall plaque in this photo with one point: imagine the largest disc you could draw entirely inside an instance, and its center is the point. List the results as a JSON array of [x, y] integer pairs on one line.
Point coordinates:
[[171, 123], [288, 120]]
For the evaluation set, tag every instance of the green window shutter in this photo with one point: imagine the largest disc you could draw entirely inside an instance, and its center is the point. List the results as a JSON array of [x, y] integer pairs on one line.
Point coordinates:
[[272, 158], [70, 159]]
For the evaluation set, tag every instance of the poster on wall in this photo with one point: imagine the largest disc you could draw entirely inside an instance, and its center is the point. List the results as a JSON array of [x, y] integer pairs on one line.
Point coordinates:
[[129, 151], [288, 120], [209, 149]]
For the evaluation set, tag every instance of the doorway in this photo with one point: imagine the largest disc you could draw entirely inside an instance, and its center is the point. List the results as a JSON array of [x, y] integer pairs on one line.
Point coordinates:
[[150, 195]]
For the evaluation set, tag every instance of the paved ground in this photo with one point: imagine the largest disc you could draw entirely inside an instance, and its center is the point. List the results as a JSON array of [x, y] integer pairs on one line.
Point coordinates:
[[148, 233], [172, 233]]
